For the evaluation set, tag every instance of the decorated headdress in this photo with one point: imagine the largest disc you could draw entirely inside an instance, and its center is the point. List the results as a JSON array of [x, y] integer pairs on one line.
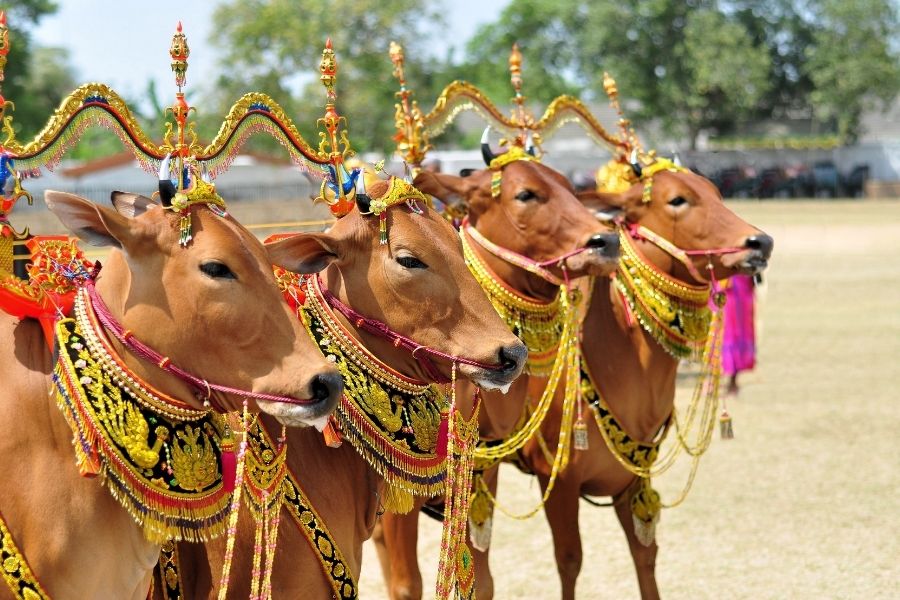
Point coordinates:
[[411, 137], [631, 164], [522, 139], [12, 243]]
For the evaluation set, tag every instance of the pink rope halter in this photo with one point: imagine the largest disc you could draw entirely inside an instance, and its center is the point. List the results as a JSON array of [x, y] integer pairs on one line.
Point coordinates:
[[145, 352], [639, 232], [538, 268], [419, 352]]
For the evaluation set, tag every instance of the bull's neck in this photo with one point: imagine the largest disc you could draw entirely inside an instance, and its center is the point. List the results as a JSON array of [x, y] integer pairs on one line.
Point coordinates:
[[634, 374], [341, 486], [517, 278], [398, 359]]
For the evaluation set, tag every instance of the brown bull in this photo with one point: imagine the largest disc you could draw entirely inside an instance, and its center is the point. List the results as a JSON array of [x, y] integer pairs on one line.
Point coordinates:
[[213, 309], [535, 215], [633, 373], [417, 284]]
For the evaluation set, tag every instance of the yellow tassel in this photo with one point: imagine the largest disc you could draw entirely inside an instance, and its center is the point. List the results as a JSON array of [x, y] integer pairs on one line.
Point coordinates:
[[396, 500]]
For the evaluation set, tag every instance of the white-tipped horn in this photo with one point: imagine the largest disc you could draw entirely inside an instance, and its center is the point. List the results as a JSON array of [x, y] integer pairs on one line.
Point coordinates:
[[204, 174], [676, 160], [164, 168], [486, 153]]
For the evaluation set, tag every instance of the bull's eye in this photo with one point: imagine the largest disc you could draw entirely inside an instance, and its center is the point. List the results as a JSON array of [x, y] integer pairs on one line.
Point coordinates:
[[525, 196], [410, 262], [217, 270], [677, 201]]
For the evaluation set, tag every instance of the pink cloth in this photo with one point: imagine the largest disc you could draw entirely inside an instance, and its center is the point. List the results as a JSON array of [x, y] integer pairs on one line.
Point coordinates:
[[739, 343]]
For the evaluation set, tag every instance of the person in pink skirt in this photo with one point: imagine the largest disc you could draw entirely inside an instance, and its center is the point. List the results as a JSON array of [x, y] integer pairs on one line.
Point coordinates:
[[739, 343]]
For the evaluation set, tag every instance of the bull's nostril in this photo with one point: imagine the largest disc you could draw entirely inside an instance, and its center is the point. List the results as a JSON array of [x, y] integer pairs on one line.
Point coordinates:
[[607, 243], [597, 241], [511, 357], [325, 387], [761, 243]]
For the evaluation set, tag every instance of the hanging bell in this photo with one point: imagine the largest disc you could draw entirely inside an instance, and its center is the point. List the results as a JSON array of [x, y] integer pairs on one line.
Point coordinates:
[[580, 435], [726, 430]]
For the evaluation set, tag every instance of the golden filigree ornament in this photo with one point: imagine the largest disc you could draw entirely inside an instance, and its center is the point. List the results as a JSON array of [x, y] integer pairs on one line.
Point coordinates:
[[398, 191], [412, 140], [194, 188], [179, 52], [337, 189], [4, 42], [391, 420], [159, 457]]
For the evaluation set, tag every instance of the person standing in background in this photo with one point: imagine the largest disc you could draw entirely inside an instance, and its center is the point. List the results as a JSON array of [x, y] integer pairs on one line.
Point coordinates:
[[739, 344]]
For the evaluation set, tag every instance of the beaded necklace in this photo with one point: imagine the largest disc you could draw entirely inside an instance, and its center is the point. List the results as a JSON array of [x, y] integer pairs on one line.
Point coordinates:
[[674, 313], [159, 457], [678, 316], [392, 420], [538, 324]]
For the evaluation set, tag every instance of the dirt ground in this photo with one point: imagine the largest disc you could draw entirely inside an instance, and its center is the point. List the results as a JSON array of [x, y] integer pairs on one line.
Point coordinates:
[[805, 501]]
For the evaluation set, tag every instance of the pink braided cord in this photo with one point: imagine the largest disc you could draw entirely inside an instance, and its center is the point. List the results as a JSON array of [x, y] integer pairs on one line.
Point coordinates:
[[145, 352], [419, 352]]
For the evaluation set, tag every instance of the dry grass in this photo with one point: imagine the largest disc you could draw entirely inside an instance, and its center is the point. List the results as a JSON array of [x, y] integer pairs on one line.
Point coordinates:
[[803, 503]]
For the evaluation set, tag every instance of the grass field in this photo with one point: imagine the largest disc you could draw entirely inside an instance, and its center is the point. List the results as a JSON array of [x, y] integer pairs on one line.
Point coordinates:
[[803, 503]]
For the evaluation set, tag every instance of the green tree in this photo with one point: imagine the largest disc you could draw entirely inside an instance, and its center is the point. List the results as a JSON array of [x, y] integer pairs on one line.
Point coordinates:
[[854, 62], [687, 63], [274, 46], [35, 78]]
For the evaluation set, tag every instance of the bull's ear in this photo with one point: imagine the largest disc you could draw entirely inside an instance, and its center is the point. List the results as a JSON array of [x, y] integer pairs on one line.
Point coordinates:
[[606, 207], [131, 205], [443, 186], [304, 252], [96, 225]]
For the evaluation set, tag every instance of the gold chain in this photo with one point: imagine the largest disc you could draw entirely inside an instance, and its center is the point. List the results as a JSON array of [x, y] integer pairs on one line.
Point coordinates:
[[538, 324], [676, 314]]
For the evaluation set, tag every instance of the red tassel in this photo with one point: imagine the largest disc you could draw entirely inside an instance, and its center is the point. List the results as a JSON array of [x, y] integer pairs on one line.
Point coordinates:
[[443, 435], [229, 470], [331, 434]]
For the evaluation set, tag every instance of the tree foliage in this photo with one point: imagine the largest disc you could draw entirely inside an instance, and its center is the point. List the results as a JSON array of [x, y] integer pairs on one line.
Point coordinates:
[[852, 62], [35, 78], [275, 46]]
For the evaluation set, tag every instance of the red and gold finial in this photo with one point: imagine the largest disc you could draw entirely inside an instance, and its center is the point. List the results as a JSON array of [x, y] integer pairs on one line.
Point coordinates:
[[628, 136], [337, 190], [179, 51], [412, 141], [4, 42], [520, 114]]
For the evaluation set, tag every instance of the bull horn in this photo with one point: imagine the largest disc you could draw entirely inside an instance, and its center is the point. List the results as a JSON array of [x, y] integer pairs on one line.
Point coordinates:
[[363, 202], [635, 165], [204, 174], [486, 153], [676, 160], [167, 189], [529, 145]]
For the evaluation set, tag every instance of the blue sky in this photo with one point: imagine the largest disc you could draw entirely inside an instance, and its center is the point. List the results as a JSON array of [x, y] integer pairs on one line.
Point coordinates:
[[126, 43]]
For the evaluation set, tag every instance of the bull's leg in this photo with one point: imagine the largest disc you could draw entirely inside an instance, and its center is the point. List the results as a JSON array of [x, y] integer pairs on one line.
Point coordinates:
[[384, 557], [484, 581], [400, 536], [644, 557], [561, 510]]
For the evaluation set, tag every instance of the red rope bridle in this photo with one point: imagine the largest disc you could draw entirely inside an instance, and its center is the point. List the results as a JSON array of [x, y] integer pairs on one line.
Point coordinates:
[[145, 352], [638, 232], [422, 354], [536, 267]]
